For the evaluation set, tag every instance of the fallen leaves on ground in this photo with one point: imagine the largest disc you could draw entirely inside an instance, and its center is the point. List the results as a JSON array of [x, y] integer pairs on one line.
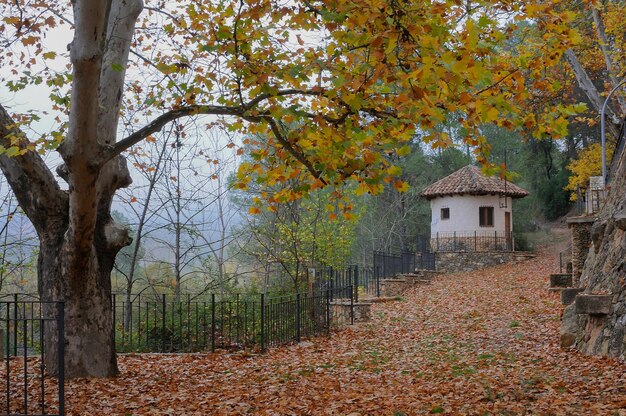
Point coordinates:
[[479, 343]]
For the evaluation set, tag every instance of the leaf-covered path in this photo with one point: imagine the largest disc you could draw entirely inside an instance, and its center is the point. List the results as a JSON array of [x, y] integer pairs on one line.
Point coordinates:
[[479, 343]]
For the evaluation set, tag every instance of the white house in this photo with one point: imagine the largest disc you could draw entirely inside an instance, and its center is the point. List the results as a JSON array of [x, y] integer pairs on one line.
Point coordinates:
[[471, 211]]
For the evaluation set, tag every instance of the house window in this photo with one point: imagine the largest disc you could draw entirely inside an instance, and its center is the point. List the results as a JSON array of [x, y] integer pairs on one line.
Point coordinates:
[[445, 213], [485, 216]]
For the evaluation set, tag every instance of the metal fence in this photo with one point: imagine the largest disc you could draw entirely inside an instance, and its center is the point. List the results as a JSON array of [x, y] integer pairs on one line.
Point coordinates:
[[30, 386], [388, 265], [472, 241], [425, 258], [363, 280], [338, 281], [164, 323]]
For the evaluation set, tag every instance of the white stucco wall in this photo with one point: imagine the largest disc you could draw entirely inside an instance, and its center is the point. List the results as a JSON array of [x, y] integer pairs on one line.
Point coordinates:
[[464, 217]]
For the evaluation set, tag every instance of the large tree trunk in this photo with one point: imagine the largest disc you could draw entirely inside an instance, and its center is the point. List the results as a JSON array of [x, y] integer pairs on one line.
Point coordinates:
[[604, 272], [78, 239], [89, 332]]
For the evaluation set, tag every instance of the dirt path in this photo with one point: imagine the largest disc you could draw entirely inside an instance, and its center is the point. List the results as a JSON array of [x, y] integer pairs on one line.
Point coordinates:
[[479, 343]]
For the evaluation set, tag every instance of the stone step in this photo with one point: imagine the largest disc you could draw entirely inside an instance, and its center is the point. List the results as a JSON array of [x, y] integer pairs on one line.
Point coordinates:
[[523, 256], [568, 294], [393, 287], [593, 304], [342, 312], [382, 299], [560, 280]]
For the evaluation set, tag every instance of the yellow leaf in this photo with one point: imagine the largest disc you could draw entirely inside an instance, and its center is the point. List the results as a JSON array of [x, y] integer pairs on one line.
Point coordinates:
[[492, 114], [401, 186], [394, 170], [404, 150]]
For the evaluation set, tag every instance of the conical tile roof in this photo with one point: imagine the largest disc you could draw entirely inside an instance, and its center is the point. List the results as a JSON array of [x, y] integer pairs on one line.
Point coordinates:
[[471, 181]]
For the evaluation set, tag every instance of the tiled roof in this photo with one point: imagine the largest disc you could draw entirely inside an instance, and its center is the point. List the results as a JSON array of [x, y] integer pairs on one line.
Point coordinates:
[[470, 180]]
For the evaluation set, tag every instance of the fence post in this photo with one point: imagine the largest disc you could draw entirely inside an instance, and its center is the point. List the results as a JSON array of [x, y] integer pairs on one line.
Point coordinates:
[[61, 355], [332, 286], [262, 322], [328, 312], [495, 240], [163, 306], [351, 310], [114, 317], [15, 324], [437, 240], [212, 322], [475, 242], [356, 283], [298, 330], [378, 282], [25, 354]]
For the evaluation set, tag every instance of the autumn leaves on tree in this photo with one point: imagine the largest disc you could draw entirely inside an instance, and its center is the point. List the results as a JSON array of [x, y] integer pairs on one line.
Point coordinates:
[[334, 87]]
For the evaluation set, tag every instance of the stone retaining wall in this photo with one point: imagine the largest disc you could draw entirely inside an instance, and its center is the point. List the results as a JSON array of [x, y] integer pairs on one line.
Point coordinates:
[[393, 287], [467, 261], [341, 312], [581, 241]]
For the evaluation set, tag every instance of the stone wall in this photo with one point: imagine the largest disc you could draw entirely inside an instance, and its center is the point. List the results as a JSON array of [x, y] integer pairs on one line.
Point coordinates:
[[393, 287], [604, 272], [341, 312], [467, 261], [581, 241]]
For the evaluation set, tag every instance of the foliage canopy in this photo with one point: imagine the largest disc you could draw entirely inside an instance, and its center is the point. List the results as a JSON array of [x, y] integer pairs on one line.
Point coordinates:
[[335, 85]]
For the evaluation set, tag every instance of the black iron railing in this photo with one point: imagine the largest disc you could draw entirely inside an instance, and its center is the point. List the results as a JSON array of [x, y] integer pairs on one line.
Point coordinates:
[[387, 265], [425, 257], [364, 280], [166, 323], [472, 241], [32, 349], [425, 260]]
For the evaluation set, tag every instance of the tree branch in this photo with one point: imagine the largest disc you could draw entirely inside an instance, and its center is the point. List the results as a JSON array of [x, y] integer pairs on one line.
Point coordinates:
[[158, 123], [299, 156], [172, 115], [603, 42], [32, 181], [591, 91]]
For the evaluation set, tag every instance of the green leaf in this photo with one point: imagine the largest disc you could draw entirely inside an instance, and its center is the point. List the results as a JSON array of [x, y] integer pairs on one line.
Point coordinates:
[[12, 151]]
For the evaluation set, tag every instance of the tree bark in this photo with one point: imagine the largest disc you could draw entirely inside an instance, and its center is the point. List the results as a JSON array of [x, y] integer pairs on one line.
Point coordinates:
[[592, 93], [605, 46], [78, 238]]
